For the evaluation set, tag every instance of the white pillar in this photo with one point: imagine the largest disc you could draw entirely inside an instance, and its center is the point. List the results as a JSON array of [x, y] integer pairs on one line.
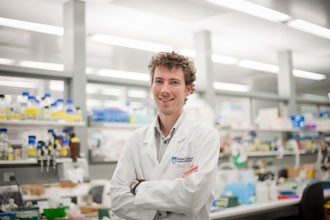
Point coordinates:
[[204, 66], [75, 60], [285, 81]]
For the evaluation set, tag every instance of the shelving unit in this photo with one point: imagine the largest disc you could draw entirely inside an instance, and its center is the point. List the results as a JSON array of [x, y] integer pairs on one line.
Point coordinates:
[[269, 153], [29, 123]]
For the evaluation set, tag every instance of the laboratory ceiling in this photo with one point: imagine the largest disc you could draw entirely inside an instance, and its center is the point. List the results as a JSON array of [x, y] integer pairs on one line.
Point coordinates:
[[175, 23]]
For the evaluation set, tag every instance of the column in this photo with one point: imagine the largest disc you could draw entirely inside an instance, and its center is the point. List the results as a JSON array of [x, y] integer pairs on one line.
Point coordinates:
[[204, 66], [75, 59], [285, 81]]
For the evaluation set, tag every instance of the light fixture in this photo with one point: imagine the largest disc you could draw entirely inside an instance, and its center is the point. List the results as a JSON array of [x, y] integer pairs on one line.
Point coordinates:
[[56, 85], [31, 26], [123, 74], [5, 61], [258, 66], [216, 58], [92, 89], [308, 75], [18, 84], [231, 87], [187, 52], [309, 28], [137, 94], [42, 65], [252, 9], [314, 97], [110, 92], [223, 59], [94, 103], [130, 43]]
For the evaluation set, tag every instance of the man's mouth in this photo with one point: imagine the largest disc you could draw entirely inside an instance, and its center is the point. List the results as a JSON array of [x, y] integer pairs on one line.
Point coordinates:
[[166, 99]]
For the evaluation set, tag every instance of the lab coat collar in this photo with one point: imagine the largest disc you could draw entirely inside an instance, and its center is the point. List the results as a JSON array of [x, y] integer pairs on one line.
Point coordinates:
[[180, 134], [182, 131]]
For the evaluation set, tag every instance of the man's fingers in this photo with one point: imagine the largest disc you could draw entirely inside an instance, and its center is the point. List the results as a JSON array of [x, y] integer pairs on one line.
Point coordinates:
[[193, 168]]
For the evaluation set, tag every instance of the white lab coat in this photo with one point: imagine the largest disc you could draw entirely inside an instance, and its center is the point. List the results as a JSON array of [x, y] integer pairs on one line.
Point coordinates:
[[187, 198]]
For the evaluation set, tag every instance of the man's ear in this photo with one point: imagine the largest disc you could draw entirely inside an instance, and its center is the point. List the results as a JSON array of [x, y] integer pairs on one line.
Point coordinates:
[[189, 89]]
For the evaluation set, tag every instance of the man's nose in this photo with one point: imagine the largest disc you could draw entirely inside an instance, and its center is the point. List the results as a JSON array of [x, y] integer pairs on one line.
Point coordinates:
[[165, 87]]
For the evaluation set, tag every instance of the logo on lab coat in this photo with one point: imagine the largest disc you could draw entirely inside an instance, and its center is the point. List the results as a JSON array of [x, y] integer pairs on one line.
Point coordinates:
[[176, 159]]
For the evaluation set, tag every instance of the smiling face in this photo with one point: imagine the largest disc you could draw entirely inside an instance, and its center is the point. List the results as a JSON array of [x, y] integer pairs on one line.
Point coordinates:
[[169, 90]]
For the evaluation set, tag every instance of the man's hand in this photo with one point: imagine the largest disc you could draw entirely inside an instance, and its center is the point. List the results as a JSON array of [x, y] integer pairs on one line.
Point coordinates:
[[192, 169]]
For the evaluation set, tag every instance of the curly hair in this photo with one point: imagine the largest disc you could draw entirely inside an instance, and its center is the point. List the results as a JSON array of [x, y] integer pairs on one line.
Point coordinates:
[[174, 60]]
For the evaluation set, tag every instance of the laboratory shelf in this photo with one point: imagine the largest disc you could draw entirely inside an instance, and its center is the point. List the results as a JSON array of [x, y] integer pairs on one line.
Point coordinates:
[[268, 153], [40, 123], [245, 129], [114, 125]]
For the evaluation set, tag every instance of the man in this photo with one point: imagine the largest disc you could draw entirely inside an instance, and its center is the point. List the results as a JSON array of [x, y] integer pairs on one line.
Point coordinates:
[[167, 169]]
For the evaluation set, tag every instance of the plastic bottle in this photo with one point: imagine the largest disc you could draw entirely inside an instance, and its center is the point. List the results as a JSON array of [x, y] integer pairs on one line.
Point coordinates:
[[65, 149], [69, 115], [15, 107], [47, 99], [53, 111], [32, 109], [78, 114], [4, 143], [61, 111], [4, 108], [273, 194], [12, 206], [23, 104], [10, 153], [32, 151], [262, 192], [24, 151]]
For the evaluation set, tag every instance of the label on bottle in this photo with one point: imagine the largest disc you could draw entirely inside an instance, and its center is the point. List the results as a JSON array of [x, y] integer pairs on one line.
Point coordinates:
[[15, 116], [78, 117], [32, 152], [31, 111], [69, 118], [63, 152]]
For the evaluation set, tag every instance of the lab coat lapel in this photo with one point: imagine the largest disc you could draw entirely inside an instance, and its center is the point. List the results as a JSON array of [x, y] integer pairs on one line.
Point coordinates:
[[150, 143], [173, 147]]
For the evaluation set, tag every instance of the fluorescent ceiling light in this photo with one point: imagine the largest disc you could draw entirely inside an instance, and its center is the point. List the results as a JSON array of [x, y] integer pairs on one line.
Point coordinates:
[[94, 103], [123, 74], [231, 87], [112, 104], [56, 85], [258, 66], [216, 58], [42, 65], [90, 70], [223, 59], [252, 9], [187, 52], [110, 92], [31, 26], [309, 28], [92, 89], [18, 84], [308, 75], [130, 43], [137, 94], [6, 61], [314, 97]]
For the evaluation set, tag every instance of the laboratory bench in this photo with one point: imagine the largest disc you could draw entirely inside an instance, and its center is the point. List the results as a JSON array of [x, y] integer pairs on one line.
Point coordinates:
[[269, 210]]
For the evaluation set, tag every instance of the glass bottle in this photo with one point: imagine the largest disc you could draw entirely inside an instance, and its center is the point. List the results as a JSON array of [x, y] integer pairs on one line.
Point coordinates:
[[65, 149], [32, 151], [74, 146]]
